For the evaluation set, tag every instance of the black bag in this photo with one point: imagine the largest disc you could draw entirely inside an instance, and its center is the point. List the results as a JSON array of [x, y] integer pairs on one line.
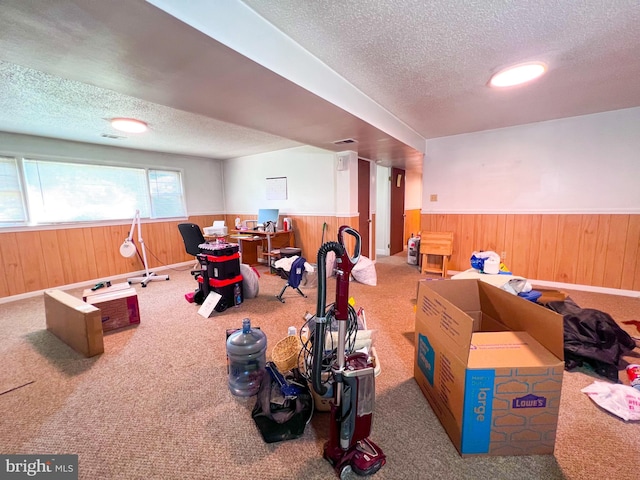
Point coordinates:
[[280, 418]]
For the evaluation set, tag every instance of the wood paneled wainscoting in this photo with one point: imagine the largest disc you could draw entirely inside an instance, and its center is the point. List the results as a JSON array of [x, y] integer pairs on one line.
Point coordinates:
[[600, 250], [308, 231], [412, 222], [35, 259]]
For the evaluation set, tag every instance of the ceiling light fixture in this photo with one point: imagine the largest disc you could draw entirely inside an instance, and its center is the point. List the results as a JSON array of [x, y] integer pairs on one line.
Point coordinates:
[[518, 74], [129, 125]]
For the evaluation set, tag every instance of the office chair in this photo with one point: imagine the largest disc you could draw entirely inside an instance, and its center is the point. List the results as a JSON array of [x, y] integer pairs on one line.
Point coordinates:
[[192, 237]]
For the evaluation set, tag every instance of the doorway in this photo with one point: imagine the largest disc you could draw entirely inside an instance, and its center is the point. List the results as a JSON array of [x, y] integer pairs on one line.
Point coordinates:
[[396, 235], [364, 196]]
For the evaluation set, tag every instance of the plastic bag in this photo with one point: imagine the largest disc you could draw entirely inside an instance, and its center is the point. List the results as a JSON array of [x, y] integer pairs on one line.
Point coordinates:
[[621, 400], [486, 262]]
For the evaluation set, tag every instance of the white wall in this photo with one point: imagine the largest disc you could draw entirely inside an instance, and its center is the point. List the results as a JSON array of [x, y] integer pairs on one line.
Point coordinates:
[[202, 176], [587, 164], [413, 190], [311, 180], [347, 185]]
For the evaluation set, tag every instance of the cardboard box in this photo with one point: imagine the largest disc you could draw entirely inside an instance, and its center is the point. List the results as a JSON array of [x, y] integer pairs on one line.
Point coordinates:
[[74, 322], [118, 305], [490, 364], [550, 295], [116, 287]]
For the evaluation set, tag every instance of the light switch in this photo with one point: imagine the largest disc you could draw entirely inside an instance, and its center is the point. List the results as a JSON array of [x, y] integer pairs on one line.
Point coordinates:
[[433, 197]]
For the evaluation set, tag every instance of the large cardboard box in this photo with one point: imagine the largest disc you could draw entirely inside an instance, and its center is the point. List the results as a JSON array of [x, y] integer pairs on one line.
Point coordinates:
[[490, 364], [74, 322], [118, 305]]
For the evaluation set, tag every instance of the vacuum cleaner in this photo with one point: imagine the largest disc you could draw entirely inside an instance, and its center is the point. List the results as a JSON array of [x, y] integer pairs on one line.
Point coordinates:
[[351, 374]]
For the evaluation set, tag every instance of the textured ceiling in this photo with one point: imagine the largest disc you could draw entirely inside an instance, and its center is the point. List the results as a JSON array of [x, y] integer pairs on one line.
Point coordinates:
[[50, 106], [68, 65], [429, 62]]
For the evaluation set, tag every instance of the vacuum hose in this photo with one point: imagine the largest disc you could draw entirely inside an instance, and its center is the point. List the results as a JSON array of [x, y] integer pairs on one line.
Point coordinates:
[[320, 330]]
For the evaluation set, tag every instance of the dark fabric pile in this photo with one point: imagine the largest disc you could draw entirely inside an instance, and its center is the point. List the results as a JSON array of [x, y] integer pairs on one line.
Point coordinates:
[[279, 418], [592, 338]]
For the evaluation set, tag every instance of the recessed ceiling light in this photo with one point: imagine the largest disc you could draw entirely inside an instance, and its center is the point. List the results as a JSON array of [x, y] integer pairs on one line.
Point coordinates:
[[518, 74], [129, 125]]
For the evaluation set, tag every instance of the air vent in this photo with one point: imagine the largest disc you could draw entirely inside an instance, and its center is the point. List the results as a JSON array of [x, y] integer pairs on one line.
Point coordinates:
[[113, 137], [346, 141]]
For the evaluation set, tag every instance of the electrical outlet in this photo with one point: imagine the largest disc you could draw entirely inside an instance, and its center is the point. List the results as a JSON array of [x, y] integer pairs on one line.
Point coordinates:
[[433, 197], [503, 255]]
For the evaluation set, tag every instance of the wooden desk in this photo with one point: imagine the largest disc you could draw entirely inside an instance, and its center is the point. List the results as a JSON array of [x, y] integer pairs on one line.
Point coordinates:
[[250, 239]]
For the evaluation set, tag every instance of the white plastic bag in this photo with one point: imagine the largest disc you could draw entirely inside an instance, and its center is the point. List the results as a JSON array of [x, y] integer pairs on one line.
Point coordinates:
[[621, 400], [486, 262]]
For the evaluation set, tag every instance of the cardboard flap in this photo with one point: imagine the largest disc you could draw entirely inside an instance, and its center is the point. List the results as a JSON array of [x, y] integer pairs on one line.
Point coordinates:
[[453, 323], [507, 350], [519, 314], [101, 291], [72, 302]]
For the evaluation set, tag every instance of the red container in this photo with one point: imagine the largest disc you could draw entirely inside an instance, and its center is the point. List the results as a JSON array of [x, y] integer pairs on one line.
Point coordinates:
[[226, 288], [633, 371], [223, 267]]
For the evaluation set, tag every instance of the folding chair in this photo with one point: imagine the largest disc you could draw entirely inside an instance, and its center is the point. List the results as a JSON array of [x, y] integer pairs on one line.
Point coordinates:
[[294, 277], [436, 244]]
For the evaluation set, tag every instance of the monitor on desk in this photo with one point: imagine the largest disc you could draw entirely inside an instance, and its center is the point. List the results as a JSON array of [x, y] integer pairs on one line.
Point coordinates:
[[268, 215]]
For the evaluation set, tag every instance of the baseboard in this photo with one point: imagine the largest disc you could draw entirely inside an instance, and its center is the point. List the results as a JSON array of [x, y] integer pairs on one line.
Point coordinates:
[[576, 286], [91, 283], [587, 288]]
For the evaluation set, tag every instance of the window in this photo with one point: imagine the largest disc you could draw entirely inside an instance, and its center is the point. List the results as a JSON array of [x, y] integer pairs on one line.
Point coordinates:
[[167, 198], [56, 192], [11, 204]]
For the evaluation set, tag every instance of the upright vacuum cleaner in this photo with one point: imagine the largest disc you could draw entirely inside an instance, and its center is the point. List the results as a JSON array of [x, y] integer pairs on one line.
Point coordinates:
[[352, 373]]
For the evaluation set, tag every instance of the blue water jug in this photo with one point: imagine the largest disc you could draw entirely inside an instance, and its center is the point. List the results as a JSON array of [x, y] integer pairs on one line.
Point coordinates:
[[246, 350]]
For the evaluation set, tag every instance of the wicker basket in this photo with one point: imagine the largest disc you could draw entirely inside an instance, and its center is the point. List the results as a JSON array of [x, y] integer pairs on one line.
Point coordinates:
[[285, 353]]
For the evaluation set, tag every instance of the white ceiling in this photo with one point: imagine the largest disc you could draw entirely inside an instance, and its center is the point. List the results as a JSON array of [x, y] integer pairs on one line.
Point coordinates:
[[391, 73]]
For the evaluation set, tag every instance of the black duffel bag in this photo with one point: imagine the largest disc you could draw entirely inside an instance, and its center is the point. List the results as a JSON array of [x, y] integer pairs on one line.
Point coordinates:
[[279, 418]]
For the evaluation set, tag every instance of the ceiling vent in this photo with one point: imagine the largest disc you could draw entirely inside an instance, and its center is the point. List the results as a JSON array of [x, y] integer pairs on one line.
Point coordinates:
[[113, 137], [346, 141]]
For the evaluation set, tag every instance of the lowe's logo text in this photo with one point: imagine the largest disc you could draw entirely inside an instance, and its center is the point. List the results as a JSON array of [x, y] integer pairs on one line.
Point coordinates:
[[529, 401]]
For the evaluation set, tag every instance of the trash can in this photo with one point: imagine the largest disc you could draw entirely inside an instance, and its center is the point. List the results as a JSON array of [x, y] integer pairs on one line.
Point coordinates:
[[413, 251]]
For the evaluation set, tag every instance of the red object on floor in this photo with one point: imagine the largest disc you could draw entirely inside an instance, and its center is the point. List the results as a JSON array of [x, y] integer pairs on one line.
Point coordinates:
[[189, 297], [633, 322]]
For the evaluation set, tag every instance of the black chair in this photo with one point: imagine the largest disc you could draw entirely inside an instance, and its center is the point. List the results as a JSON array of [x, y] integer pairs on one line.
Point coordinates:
[[192, 237]]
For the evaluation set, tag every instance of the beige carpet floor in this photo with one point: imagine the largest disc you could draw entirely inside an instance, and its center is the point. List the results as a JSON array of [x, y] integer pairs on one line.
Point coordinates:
[[156, 403]]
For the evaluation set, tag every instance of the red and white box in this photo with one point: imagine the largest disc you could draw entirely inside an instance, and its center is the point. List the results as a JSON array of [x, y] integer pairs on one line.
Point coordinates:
[[118, 305]]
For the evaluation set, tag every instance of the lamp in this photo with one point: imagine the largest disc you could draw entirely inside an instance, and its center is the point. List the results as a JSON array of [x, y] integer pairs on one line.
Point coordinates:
[[129, 125], [128, 249], [518, 74]]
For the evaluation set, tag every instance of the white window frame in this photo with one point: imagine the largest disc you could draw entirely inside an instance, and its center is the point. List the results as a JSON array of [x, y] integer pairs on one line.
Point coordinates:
[[19, 159], [21, 190]]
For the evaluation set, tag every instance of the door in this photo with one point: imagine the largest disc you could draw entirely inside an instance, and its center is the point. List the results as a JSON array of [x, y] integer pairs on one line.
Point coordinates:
[[364, 194], [396, 242]]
